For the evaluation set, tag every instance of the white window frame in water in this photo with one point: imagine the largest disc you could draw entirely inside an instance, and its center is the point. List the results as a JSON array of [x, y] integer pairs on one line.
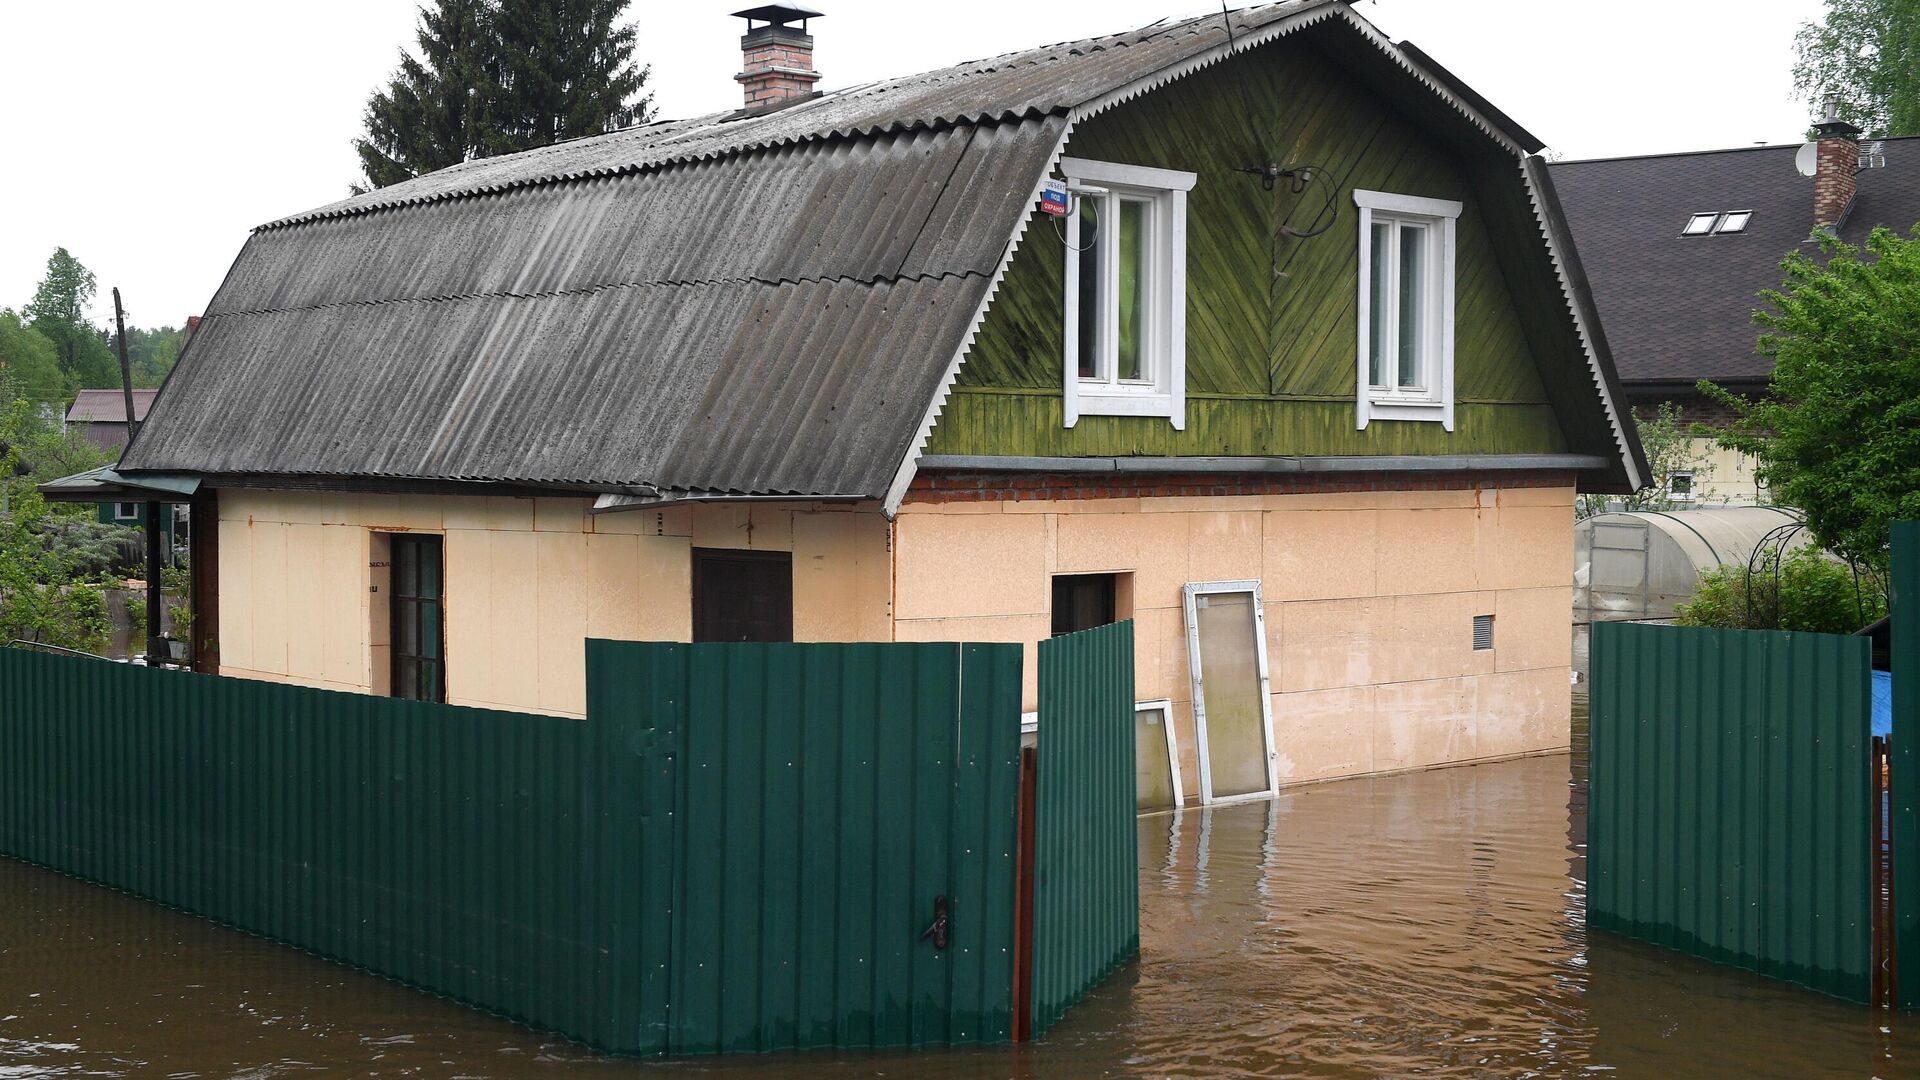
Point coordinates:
[[1189, 594], [1030, 725], [1426, 391], [1164, 706], [1160, 388]]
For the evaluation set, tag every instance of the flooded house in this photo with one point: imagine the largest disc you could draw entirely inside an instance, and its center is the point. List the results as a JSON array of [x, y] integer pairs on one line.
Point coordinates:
[[1260, 330]]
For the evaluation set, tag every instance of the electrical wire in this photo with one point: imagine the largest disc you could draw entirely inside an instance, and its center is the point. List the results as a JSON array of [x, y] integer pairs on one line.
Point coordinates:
[[1303, 177], [1060, 231]]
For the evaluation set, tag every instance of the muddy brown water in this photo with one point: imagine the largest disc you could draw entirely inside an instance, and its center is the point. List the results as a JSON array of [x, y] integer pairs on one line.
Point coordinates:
[[1421, 925]]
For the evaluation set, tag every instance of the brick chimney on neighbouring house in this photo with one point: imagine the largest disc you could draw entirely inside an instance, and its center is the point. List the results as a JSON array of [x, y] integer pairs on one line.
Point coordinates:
[[776, 59], [1836, 169]]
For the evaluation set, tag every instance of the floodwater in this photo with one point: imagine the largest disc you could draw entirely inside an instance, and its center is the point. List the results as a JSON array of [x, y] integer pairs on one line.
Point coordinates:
[[1430, 925]]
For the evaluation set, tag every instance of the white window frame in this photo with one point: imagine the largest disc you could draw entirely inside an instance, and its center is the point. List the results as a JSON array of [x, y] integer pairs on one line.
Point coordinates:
[[1030, 725], [1164, 706], [1712, 220], [1164, 392], [1189, 592], [1434, 401], [1693, 486], [119, 506]]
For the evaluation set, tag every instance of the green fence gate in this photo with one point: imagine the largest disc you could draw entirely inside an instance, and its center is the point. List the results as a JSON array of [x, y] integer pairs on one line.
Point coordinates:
[[1904, 787], [1731, 798], [1086, 889], [740, 848]]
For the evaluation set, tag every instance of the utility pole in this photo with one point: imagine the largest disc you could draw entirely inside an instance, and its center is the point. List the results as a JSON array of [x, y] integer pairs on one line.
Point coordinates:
[[156, 642]]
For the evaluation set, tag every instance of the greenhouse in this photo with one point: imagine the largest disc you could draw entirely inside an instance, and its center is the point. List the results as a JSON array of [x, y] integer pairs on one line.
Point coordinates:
[[1641, 564]]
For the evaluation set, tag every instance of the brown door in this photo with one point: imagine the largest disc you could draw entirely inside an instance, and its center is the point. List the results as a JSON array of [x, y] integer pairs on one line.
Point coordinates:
[[419, 632], [742, 595]]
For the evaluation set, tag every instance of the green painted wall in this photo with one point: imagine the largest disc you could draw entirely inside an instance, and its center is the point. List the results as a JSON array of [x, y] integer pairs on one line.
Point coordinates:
[[1270, 319]]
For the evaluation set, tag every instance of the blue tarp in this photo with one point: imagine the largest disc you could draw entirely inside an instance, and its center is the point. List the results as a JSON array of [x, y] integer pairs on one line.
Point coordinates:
[[1883, 703]]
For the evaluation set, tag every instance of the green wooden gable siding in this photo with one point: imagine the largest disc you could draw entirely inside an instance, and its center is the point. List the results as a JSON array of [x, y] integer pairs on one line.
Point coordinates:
[[1271, 329]]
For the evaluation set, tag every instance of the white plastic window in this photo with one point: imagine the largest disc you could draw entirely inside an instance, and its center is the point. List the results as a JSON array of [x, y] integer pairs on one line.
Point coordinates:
[[1126, 239], [1406, 308], [1699, 225]]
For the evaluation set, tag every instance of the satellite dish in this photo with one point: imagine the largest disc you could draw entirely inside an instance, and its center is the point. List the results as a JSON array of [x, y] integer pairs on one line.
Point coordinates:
[[1807, 160]]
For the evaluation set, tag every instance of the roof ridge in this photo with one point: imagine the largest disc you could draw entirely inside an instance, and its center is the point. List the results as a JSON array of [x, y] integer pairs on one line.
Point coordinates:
[[664, 283], [819, 118]]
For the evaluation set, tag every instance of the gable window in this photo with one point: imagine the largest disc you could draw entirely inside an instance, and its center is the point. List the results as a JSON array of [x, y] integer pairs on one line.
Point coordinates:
[[1126, 286], [1406, 307]]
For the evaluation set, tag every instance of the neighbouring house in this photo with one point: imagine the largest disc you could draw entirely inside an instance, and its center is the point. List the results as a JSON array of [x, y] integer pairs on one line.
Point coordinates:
[[101, 415], [1677, 248], [1303, 378]]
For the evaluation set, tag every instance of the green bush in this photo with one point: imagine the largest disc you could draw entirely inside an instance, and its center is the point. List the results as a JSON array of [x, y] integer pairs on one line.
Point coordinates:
[[1811, 592]]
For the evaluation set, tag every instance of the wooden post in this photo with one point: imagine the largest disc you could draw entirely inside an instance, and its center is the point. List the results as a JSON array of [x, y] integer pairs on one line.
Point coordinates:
[[203, 569], [156, 641], [1023, 901]]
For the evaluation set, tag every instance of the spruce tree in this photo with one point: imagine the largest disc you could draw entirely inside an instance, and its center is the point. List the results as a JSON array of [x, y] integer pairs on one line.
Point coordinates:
[[58, 310], [431, 114], [565, 70]]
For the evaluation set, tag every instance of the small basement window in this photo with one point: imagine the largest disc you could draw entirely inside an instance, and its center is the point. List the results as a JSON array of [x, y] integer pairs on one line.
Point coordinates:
[[1406, 307], [1126, 288]]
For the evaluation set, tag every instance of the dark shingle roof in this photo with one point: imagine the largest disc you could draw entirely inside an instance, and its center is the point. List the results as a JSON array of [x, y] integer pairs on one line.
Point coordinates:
[[1680, 309]]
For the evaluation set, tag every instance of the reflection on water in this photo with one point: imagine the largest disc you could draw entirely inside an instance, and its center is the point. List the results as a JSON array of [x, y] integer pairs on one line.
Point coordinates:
[[1428, 924]]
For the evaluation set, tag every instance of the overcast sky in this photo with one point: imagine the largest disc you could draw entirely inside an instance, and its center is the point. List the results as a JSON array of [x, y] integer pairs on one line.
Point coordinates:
[[148, 136]]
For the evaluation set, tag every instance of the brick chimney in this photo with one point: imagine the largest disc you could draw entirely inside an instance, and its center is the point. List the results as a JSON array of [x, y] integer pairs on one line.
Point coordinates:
[[1838, 163], [777, 58]]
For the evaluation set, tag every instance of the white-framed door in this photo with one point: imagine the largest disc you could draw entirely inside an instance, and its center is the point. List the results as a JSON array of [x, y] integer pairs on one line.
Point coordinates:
[[1232, 703]]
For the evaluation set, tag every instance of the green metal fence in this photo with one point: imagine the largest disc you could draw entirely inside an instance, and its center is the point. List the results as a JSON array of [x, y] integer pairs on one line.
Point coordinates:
[[1731, 804], [836, 801], [1905, 753], [738, 849], [1086, 901]]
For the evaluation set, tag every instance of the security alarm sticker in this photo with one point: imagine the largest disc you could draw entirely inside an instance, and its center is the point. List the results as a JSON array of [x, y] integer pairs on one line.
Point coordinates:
[[1053, 197]]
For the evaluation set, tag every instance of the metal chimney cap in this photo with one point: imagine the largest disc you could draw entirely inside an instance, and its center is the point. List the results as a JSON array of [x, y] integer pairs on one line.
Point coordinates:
[[779, 14]]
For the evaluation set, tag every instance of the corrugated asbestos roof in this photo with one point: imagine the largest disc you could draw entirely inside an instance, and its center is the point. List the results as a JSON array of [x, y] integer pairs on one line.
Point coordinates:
[[760, 305], [1680, 308], [772, 329]]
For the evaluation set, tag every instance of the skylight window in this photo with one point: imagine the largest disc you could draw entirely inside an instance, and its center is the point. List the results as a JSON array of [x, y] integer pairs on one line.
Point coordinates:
[[1714, 224]]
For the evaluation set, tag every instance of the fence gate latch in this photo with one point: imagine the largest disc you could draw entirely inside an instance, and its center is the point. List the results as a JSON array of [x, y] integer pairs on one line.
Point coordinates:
[[937, 930]]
